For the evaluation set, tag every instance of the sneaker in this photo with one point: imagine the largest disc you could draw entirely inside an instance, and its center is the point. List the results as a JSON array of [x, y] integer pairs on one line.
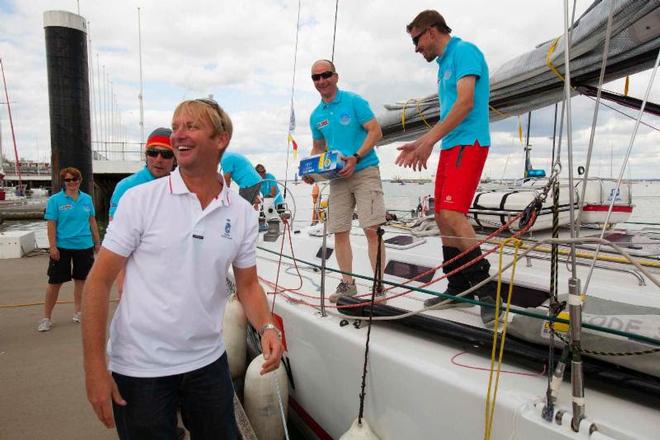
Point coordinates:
[[76, 317], [380, 295], [44, 325], [343, 289]]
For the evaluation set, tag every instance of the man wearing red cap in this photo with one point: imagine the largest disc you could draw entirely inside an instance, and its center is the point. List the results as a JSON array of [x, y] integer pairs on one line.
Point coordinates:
[[160, 162]]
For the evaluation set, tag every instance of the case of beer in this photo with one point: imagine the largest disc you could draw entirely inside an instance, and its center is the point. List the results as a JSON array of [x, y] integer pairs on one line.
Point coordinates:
[[325, 166]]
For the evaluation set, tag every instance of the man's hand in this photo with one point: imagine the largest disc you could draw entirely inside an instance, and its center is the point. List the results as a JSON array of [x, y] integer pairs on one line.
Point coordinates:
[[54, 253], [101, 391], [349, 166], [271, 346], [414, 154]]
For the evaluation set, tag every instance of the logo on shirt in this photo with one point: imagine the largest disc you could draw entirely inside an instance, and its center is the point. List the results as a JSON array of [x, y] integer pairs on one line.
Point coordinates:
[[447, 74], [322, 124], [449, 198], [227, 233], [345, 118], [65, 207]]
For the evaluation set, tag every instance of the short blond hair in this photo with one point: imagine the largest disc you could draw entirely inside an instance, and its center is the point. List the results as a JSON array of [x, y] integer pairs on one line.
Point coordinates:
[[205, 108]]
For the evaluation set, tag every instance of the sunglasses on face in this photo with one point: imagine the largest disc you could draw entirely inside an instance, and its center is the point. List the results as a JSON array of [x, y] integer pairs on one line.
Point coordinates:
[[325, 75], [71, 179], [416, 38], [165, 154]]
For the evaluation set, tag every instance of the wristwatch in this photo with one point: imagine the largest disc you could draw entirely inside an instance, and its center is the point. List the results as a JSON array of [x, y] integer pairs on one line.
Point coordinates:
[[358, 157], [270, 326]]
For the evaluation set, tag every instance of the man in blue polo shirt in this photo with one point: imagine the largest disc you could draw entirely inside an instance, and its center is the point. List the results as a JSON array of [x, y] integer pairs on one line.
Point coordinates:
[[343, 121], [159, 163], [463, 91], [238, 168]]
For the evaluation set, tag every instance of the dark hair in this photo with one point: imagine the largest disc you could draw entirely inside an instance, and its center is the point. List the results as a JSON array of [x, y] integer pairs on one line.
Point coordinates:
[[429, 18], [260, 167]]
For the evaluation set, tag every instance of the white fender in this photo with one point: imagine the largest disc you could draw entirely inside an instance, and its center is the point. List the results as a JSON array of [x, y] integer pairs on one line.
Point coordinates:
[[235, 334], [261, 400], [359, 432]]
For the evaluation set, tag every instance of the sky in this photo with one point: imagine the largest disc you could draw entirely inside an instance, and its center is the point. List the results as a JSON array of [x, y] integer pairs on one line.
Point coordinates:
[[242, 53]]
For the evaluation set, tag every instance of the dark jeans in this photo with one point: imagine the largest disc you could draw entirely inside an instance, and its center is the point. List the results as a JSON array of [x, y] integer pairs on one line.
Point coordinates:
[[205, 397]]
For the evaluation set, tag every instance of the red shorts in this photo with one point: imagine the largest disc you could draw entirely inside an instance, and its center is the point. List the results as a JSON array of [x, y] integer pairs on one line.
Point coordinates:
[[458, 175]]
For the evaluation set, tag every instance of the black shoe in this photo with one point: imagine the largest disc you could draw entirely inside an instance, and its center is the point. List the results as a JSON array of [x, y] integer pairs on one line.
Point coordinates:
[[457, 283], [475, 274], [180, 433]]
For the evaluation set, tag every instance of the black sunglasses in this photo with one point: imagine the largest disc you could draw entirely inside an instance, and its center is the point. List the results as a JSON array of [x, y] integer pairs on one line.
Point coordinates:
[[165, 154], [215, 106], [71, 179], [416, 38], [325, 75]]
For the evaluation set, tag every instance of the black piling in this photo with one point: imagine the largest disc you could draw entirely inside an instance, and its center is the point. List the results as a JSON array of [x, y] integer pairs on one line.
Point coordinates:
[[68, 94]]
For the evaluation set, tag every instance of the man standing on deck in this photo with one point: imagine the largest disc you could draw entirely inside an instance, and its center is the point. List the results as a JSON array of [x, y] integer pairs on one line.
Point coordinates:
[[176, 237], [159, 163], [239, 168], [343, 121], [463, 91]]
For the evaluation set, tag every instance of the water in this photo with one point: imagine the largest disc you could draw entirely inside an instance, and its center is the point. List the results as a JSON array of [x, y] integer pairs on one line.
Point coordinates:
[[398, 197]]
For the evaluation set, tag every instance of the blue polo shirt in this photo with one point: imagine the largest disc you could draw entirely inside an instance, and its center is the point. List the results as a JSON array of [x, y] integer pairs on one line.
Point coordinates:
[[242, 171], [462, 59], [340, 122], [71, 219], [266, 187], [142, 176]]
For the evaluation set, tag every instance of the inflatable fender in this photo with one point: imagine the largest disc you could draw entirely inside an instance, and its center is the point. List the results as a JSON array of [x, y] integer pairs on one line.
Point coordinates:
[[359, 431], [262, 400], [234, 331]]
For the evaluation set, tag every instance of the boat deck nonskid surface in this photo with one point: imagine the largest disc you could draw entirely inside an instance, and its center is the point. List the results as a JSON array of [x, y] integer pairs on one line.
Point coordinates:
[[419, 385]]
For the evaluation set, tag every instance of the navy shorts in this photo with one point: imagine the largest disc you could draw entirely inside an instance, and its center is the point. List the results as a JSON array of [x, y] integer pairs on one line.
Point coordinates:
[[61, 271]]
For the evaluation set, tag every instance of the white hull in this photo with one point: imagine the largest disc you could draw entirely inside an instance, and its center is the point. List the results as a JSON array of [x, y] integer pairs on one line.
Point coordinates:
[[420, 386]]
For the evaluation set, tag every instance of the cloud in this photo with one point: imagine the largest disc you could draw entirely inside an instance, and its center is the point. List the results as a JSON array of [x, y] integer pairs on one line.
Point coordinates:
[[244, 57]]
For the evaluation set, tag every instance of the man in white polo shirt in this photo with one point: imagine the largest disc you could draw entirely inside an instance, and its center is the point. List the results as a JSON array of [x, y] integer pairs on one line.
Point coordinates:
[[177, 237]]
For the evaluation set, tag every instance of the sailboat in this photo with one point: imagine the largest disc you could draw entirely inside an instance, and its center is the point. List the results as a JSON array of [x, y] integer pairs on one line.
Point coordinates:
[[414, 372]]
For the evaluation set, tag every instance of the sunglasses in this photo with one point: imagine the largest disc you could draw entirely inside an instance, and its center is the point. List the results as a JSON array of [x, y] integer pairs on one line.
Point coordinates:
[[415, 39], [165, 154], [71, 179], [215, 106], [325, 75]]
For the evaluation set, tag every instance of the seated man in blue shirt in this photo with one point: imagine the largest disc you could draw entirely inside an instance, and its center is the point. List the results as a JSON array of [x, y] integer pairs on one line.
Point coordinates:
[[238, 168], [269, 186]]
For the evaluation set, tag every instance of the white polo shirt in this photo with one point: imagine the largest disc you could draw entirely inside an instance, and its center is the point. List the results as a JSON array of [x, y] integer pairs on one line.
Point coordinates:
[[169, 319]]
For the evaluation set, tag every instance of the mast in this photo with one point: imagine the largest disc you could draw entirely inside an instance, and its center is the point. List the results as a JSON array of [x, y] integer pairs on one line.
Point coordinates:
[[140, 96], [11, 125]]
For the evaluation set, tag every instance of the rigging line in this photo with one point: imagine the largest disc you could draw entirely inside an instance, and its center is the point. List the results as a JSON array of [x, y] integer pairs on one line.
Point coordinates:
[[621, 112], [377, 284], [606, 49], [293, 89], [569, 128], [334, 32], [623, 169]]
